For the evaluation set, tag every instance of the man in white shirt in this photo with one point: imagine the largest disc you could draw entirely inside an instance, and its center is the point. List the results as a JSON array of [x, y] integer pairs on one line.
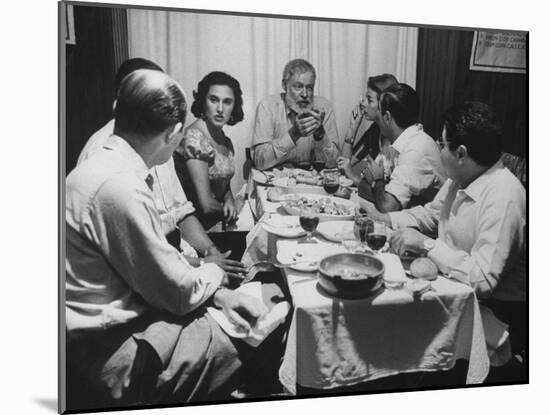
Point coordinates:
[[176, 212], [136, 321], [418, 173], [479, 216]]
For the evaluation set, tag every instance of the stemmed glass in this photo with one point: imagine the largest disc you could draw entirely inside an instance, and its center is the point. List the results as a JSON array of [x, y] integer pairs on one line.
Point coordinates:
[[309, 219], [377, 238], [331, 183]]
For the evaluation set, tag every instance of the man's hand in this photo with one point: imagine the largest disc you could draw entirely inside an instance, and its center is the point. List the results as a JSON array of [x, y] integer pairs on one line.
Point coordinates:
[[407, 240], [368, 207], [306, 123], [232, 268], [376, 169], [243, 310], [343, 164], [229, 210]]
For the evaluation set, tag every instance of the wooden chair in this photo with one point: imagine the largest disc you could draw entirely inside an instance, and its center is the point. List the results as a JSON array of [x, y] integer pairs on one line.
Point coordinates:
[[517, 165]]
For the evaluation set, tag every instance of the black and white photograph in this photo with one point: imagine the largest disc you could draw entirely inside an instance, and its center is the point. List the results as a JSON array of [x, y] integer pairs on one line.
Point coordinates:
[[268, 207]]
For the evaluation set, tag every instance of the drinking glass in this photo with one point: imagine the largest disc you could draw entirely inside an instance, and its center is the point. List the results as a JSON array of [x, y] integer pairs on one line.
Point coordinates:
[[361, 227], [318, 165], [331, 183], [309, 220], [377, 238]]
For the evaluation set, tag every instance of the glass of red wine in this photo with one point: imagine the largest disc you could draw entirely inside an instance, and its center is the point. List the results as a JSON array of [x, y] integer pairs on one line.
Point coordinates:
[[331, 184], [309, 219], [377, 238], [318, 165]]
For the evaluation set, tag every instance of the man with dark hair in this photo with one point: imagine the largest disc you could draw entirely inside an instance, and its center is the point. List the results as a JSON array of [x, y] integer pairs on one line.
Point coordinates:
[[179, 222], [295, 126], [479, 217], [417, 174], [136, 320]]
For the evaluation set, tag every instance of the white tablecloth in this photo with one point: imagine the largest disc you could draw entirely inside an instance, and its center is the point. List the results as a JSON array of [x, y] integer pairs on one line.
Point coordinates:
[[334, 342]]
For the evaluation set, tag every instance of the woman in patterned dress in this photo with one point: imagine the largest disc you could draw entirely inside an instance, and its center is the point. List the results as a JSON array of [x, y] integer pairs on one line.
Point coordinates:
[[204, 159]]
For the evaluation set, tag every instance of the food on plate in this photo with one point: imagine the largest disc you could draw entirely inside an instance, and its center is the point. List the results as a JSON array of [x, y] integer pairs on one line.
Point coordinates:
[[343, 192], [323, 205], [274, 195], [423, 268]]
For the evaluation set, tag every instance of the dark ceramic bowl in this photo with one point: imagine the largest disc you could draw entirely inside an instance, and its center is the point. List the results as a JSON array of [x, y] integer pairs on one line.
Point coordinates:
[[362, 278]]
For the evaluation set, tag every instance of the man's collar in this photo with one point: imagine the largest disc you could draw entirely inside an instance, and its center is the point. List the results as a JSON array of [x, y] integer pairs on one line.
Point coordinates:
[[402, 141], [474, 189], [115, 142]]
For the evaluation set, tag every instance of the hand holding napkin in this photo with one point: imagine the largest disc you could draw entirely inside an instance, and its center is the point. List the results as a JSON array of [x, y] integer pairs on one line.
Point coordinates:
[[264, 325]]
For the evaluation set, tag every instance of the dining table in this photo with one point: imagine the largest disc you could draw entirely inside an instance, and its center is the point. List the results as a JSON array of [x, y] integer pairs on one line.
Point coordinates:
[[337, 342]]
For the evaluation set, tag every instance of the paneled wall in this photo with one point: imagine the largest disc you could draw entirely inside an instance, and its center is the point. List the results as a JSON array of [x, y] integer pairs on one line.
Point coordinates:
[[444, 79], [101, 45]]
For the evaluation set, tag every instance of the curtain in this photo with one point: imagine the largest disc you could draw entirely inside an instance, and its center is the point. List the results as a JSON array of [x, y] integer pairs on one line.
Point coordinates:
[[255, 49]]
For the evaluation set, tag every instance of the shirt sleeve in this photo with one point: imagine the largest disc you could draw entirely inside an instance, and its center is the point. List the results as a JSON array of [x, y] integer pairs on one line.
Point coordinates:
[[172, 202], [195, 145], [130, 234], [269, 150], [411, 176], [329, 143], [499, 244], [424, 218]]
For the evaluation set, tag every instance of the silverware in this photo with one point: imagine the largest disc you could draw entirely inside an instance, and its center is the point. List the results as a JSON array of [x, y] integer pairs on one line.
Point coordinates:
[[279, 266]]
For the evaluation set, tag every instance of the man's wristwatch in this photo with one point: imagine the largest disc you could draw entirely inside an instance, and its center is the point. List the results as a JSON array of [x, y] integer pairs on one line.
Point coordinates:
[[428, 245]]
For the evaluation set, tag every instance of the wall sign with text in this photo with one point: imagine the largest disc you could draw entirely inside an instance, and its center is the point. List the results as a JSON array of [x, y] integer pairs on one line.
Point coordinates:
[[499, 52]]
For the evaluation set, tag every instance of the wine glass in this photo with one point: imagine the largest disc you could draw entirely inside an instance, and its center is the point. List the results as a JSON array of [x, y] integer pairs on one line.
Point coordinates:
[[318, 165], [361, 227], [377, 238], [331, 183], [309, 219]]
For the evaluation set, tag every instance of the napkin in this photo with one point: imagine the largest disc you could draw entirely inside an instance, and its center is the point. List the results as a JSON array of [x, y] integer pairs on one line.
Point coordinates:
[[264, 325], [394, 274]]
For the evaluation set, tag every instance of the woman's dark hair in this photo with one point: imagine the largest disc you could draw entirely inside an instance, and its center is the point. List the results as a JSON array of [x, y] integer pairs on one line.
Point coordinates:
[[402, 102], [379, 83], [218, 78], [476, 126], [149, 102]]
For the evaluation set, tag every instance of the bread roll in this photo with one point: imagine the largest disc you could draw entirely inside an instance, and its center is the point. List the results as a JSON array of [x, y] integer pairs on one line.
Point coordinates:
[[423, 268]]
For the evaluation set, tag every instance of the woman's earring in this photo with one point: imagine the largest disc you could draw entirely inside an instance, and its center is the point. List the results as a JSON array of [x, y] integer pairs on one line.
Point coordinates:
[[203, 116], [231, 119]]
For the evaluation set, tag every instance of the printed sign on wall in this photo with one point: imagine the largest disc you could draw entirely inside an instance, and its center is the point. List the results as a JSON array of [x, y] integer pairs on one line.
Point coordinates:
[[499, 52]]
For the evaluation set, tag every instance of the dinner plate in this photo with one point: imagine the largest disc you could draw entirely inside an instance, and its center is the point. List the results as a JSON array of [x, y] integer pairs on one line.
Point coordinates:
[[288, 186], [344, 181], [284, 226], [347, 205], [262, 177], [305, 257], [336, 231]]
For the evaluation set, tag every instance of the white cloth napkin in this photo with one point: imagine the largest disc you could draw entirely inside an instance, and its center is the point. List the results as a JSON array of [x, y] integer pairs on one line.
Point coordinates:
[[394, 273], [265, 324]]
